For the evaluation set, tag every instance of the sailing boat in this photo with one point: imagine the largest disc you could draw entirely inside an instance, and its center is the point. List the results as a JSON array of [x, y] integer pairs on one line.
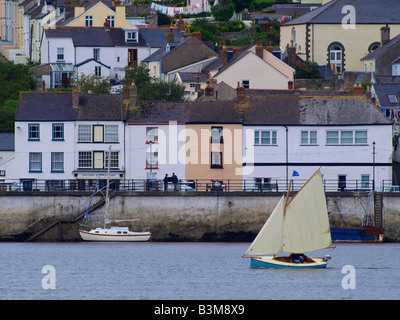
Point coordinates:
[[113, 233], [296, 226]]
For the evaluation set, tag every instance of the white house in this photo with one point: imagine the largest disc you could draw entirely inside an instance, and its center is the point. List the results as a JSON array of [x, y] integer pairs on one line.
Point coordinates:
[[100, 51], [346, 135], [255, 69], [62, 136]]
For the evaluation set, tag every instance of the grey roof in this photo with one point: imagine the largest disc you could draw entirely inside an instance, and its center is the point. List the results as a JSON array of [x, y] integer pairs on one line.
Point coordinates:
[[313, 110], [367, 12], [157, 37], [57, 106], [273, 109], [162, 52], [192, 76], [93, 36], [7, 141], [383, 91]]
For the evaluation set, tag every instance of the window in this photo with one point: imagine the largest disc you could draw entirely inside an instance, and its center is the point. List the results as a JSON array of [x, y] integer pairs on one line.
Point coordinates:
[[246, 84], [84, 133], [96, 54], [361, 137], [262, 138], [111, 20], [58, 131], [57, 162], [60, 54], [89, 21], [151, 160], [98, 133], [216, 159], [152, 134], [97, 71], [308, 138], [131, 36], [392, 98], [33, 131], [336, 54], [365, 181], [114, 160], [216, 135], [98, 160], [132, 57], [332, 137], [341, 182], [111, 133], [85, 159], [346, 137], [263, 183], [35, 162]]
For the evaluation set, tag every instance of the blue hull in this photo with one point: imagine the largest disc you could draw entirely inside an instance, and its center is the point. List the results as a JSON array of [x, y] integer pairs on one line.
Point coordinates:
[[262, 264], [357, 234]]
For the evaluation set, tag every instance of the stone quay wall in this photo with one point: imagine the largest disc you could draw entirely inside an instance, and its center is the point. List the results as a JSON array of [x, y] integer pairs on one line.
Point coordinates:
[[173, 216]]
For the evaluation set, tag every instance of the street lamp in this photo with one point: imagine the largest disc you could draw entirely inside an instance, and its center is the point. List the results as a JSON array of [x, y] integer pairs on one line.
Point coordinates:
[[373, 163]]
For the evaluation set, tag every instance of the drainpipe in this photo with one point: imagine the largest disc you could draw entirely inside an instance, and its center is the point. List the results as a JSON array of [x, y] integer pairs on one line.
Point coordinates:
[[287, 138]]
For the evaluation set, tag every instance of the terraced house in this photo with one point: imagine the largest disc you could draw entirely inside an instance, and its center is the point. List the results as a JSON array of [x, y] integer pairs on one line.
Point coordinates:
[[260, 138]]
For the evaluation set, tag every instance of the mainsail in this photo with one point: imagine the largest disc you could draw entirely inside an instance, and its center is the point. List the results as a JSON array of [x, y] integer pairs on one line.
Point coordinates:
[[302, 225]]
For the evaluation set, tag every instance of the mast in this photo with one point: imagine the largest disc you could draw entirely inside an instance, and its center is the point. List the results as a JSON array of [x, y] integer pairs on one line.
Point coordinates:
[[107, 187]]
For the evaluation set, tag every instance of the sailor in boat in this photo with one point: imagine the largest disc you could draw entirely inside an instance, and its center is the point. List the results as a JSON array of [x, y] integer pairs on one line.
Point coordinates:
[[298, 258]]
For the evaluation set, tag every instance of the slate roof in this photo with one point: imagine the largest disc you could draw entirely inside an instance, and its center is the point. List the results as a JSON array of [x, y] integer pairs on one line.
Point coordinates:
[[57, 106], [191, 77], [383, 91], [274, 109], [367, 12], [7, 141]]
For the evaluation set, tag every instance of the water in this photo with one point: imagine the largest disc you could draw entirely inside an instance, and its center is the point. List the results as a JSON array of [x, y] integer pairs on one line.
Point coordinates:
[[189, 271]]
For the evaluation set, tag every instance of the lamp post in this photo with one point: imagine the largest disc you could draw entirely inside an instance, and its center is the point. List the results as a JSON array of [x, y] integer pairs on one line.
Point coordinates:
[[373, 164]]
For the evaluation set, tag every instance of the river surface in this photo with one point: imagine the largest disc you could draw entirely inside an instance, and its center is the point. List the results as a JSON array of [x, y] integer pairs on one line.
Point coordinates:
[[189, 271]]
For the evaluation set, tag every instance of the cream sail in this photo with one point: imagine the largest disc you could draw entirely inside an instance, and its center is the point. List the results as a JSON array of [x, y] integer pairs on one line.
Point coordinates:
[[296, 226]]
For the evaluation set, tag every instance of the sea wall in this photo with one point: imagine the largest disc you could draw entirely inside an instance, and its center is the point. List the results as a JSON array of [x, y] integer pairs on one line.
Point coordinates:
[[174, 216]]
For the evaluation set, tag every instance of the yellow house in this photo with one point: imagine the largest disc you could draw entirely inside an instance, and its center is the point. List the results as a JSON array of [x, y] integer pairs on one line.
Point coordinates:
[[341, 32], [95, 16]]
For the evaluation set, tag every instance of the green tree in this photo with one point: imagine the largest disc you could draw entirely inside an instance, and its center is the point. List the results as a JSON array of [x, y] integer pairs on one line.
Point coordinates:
[[161, 91], [14, 78], [93, 84], [139, 74]]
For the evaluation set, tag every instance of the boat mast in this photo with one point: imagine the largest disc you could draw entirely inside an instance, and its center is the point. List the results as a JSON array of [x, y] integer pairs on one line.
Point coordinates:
[[107, 187]]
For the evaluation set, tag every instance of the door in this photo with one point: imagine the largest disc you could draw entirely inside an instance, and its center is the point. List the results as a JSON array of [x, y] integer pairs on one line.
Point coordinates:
[[341, 182], [132, 57]]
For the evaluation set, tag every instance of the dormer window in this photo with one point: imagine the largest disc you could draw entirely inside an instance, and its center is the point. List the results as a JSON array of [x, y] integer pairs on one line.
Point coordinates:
[[131, 36]]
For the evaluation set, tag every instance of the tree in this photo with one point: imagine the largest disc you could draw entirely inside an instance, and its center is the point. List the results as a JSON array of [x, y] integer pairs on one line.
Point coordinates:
[[14, 78], [94, 84], [161, 91], [139, 74]]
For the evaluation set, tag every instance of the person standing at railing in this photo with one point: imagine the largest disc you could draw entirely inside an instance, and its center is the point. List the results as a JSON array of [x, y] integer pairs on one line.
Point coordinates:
[[175, 181], [166, 182]]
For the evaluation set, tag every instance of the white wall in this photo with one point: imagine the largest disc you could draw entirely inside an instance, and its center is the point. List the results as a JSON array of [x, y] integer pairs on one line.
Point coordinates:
[[350, 160], [170, 148]]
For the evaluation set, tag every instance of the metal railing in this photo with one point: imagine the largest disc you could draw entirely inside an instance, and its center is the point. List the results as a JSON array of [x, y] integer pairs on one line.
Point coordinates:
[[206, 185]]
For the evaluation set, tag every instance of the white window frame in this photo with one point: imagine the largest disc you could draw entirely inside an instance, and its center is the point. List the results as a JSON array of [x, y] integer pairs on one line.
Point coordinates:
[[265, 138]]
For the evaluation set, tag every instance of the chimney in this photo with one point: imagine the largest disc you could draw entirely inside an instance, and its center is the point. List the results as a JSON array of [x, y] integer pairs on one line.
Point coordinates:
[[107, 25], [170, 34], [224, 58], [385, 35], [196, 35], [130, 95], [358, 90], [260, 50], [240, 93], [209, 91], [197, 86], [75, 98], [181, 24]]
